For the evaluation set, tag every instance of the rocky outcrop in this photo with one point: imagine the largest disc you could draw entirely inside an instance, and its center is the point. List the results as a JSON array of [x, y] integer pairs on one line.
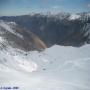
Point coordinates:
[[18, 37]]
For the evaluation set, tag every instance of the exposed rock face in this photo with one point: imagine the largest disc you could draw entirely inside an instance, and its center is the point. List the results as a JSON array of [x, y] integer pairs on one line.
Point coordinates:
[[62, 29], [17, 37]]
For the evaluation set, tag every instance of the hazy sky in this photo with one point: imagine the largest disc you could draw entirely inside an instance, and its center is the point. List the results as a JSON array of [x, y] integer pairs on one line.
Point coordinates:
[[19, 7]]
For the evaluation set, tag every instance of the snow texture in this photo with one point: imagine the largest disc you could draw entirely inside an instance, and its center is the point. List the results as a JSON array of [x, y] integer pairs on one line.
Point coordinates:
[[56, 68], [74, 16]]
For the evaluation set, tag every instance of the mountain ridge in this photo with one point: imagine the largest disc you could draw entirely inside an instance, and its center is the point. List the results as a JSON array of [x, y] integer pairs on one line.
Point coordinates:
[[17, 37], [62, 29]]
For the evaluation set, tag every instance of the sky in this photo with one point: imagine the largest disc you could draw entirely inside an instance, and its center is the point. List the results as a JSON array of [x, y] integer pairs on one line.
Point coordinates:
[[22, 7]]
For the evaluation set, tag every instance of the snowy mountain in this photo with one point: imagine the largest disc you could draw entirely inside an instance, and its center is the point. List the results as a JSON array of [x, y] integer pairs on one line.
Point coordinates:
[[13, 35], [22, 65], [62, 28], [74, 17]]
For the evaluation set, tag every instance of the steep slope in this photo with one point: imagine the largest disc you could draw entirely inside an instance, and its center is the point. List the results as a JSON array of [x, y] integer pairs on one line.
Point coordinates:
[[62, 28], [55, 68], [17, 37]]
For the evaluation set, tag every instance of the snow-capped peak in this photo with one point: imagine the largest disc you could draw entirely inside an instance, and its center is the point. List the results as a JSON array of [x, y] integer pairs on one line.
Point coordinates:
[[74, 16]]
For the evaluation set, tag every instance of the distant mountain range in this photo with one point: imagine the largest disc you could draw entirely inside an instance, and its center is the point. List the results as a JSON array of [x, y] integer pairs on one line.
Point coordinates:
[[62, 28]]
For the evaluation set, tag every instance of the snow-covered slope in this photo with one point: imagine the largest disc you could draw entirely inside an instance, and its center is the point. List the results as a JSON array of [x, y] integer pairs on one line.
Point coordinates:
[[56, 68], [8, 26], [15, 59]]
